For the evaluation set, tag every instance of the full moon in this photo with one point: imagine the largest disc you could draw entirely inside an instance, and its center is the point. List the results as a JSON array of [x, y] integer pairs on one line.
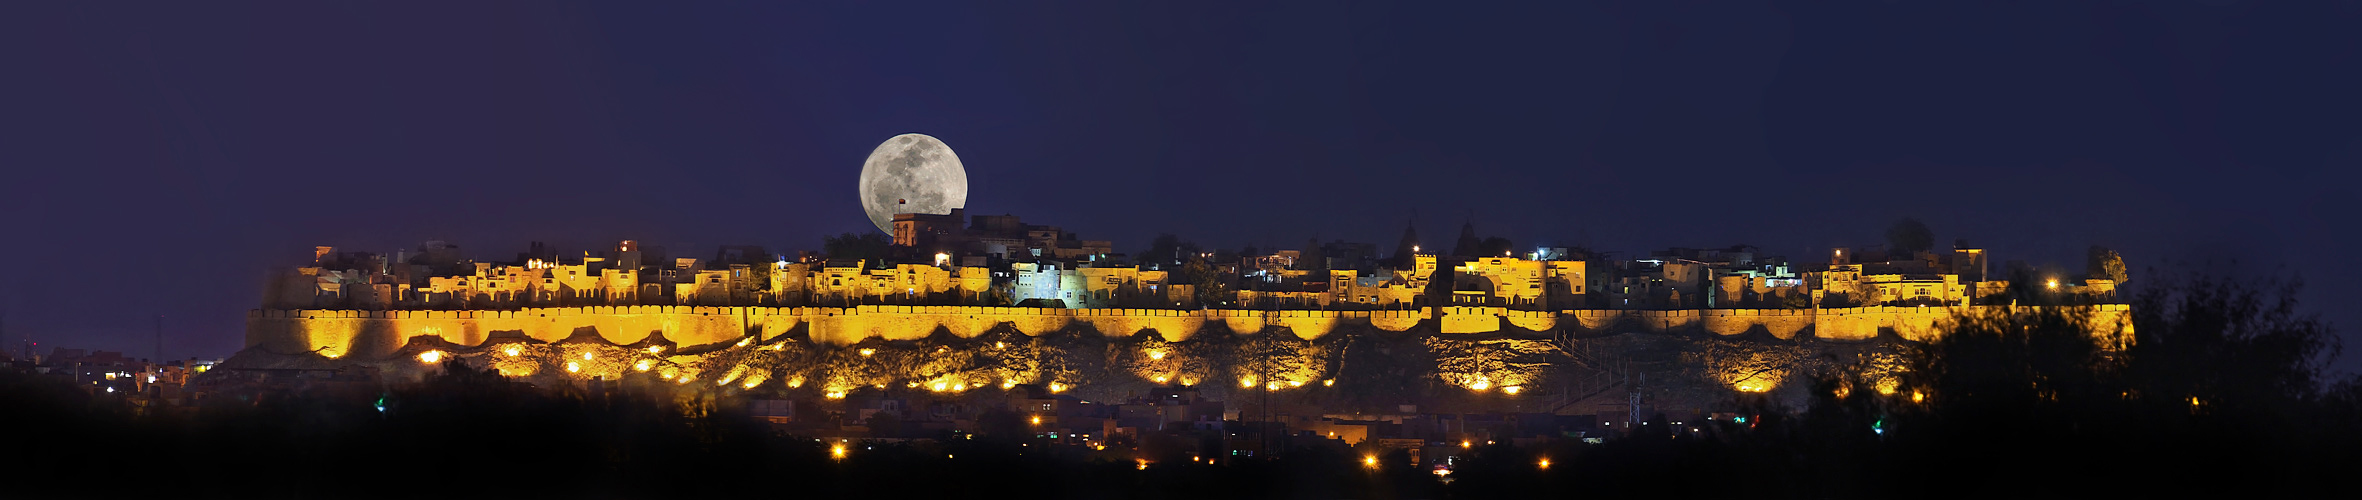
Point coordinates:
[[911, 174]]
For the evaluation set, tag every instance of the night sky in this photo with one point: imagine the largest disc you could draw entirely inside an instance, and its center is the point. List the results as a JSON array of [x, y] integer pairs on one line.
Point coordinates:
[[163, 158]]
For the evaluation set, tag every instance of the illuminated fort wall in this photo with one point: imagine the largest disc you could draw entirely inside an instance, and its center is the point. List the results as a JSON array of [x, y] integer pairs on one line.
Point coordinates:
[[373, 334]]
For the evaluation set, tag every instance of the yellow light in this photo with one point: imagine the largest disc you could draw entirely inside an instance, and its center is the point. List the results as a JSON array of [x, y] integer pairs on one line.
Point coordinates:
[[1328, 383], [430, 356], [836, 395], [1247, 383], [1057, 387], [642, 365], [1464, 445], [1037, 420], [1545, 463], [586, 356], [1480, 384], [1295, 383], [1156, 355], [571, 367], [2054, 283], [795, 382], [1188, 381], [959, 386], [938, 387], [1143, 464], [1921, 397], [998, 345], [1271, 386], [745, 341], [1161, 379], [913, 384], [1370, 461], [866, 352], [1512, 390], [654, 349], [511, 351], [837, 451], [752, 382]]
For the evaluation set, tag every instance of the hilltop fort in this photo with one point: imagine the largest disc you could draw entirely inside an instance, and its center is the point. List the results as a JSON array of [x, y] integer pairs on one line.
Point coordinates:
[[952, 304]]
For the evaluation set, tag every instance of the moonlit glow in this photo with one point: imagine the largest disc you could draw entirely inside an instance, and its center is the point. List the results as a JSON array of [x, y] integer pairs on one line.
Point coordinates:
[[911, 173]]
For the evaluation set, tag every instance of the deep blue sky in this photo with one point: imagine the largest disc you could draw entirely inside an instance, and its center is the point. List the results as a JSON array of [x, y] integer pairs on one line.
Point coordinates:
[[162, 158]]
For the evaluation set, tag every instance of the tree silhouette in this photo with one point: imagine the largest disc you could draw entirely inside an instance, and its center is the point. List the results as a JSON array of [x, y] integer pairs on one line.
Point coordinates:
[[1909, 236]]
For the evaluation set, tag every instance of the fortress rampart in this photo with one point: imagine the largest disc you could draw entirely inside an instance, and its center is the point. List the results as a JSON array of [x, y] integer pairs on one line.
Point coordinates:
[[375, 334]]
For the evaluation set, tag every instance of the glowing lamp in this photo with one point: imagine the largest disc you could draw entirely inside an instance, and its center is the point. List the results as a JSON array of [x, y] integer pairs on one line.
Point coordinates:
[[643, 365], [867, 352], [1370, 461], [572, 367], [511, 351], [430, 356], [1512, 390]]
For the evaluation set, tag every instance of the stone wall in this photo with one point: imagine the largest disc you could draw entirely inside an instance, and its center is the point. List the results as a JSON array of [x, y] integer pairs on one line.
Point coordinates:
[[373, 334]]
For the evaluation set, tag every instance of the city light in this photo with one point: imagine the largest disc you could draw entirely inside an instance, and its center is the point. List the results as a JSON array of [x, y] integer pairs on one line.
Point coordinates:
[[643, 365], [867, 352], [1246, 383], [837, 451], [1037, 420], [1156, 355], [1328, 383], [571, 367], [1370, 461], [586, 356], [1512, 390], [655, 349], [430, 357], [1057, 387], [2054, 283], [511, 351], [1545, 463]]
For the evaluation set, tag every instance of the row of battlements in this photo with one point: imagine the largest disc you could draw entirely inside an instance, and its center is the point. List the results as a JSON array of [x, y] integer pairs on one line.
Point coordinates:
[[1108, 312]]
